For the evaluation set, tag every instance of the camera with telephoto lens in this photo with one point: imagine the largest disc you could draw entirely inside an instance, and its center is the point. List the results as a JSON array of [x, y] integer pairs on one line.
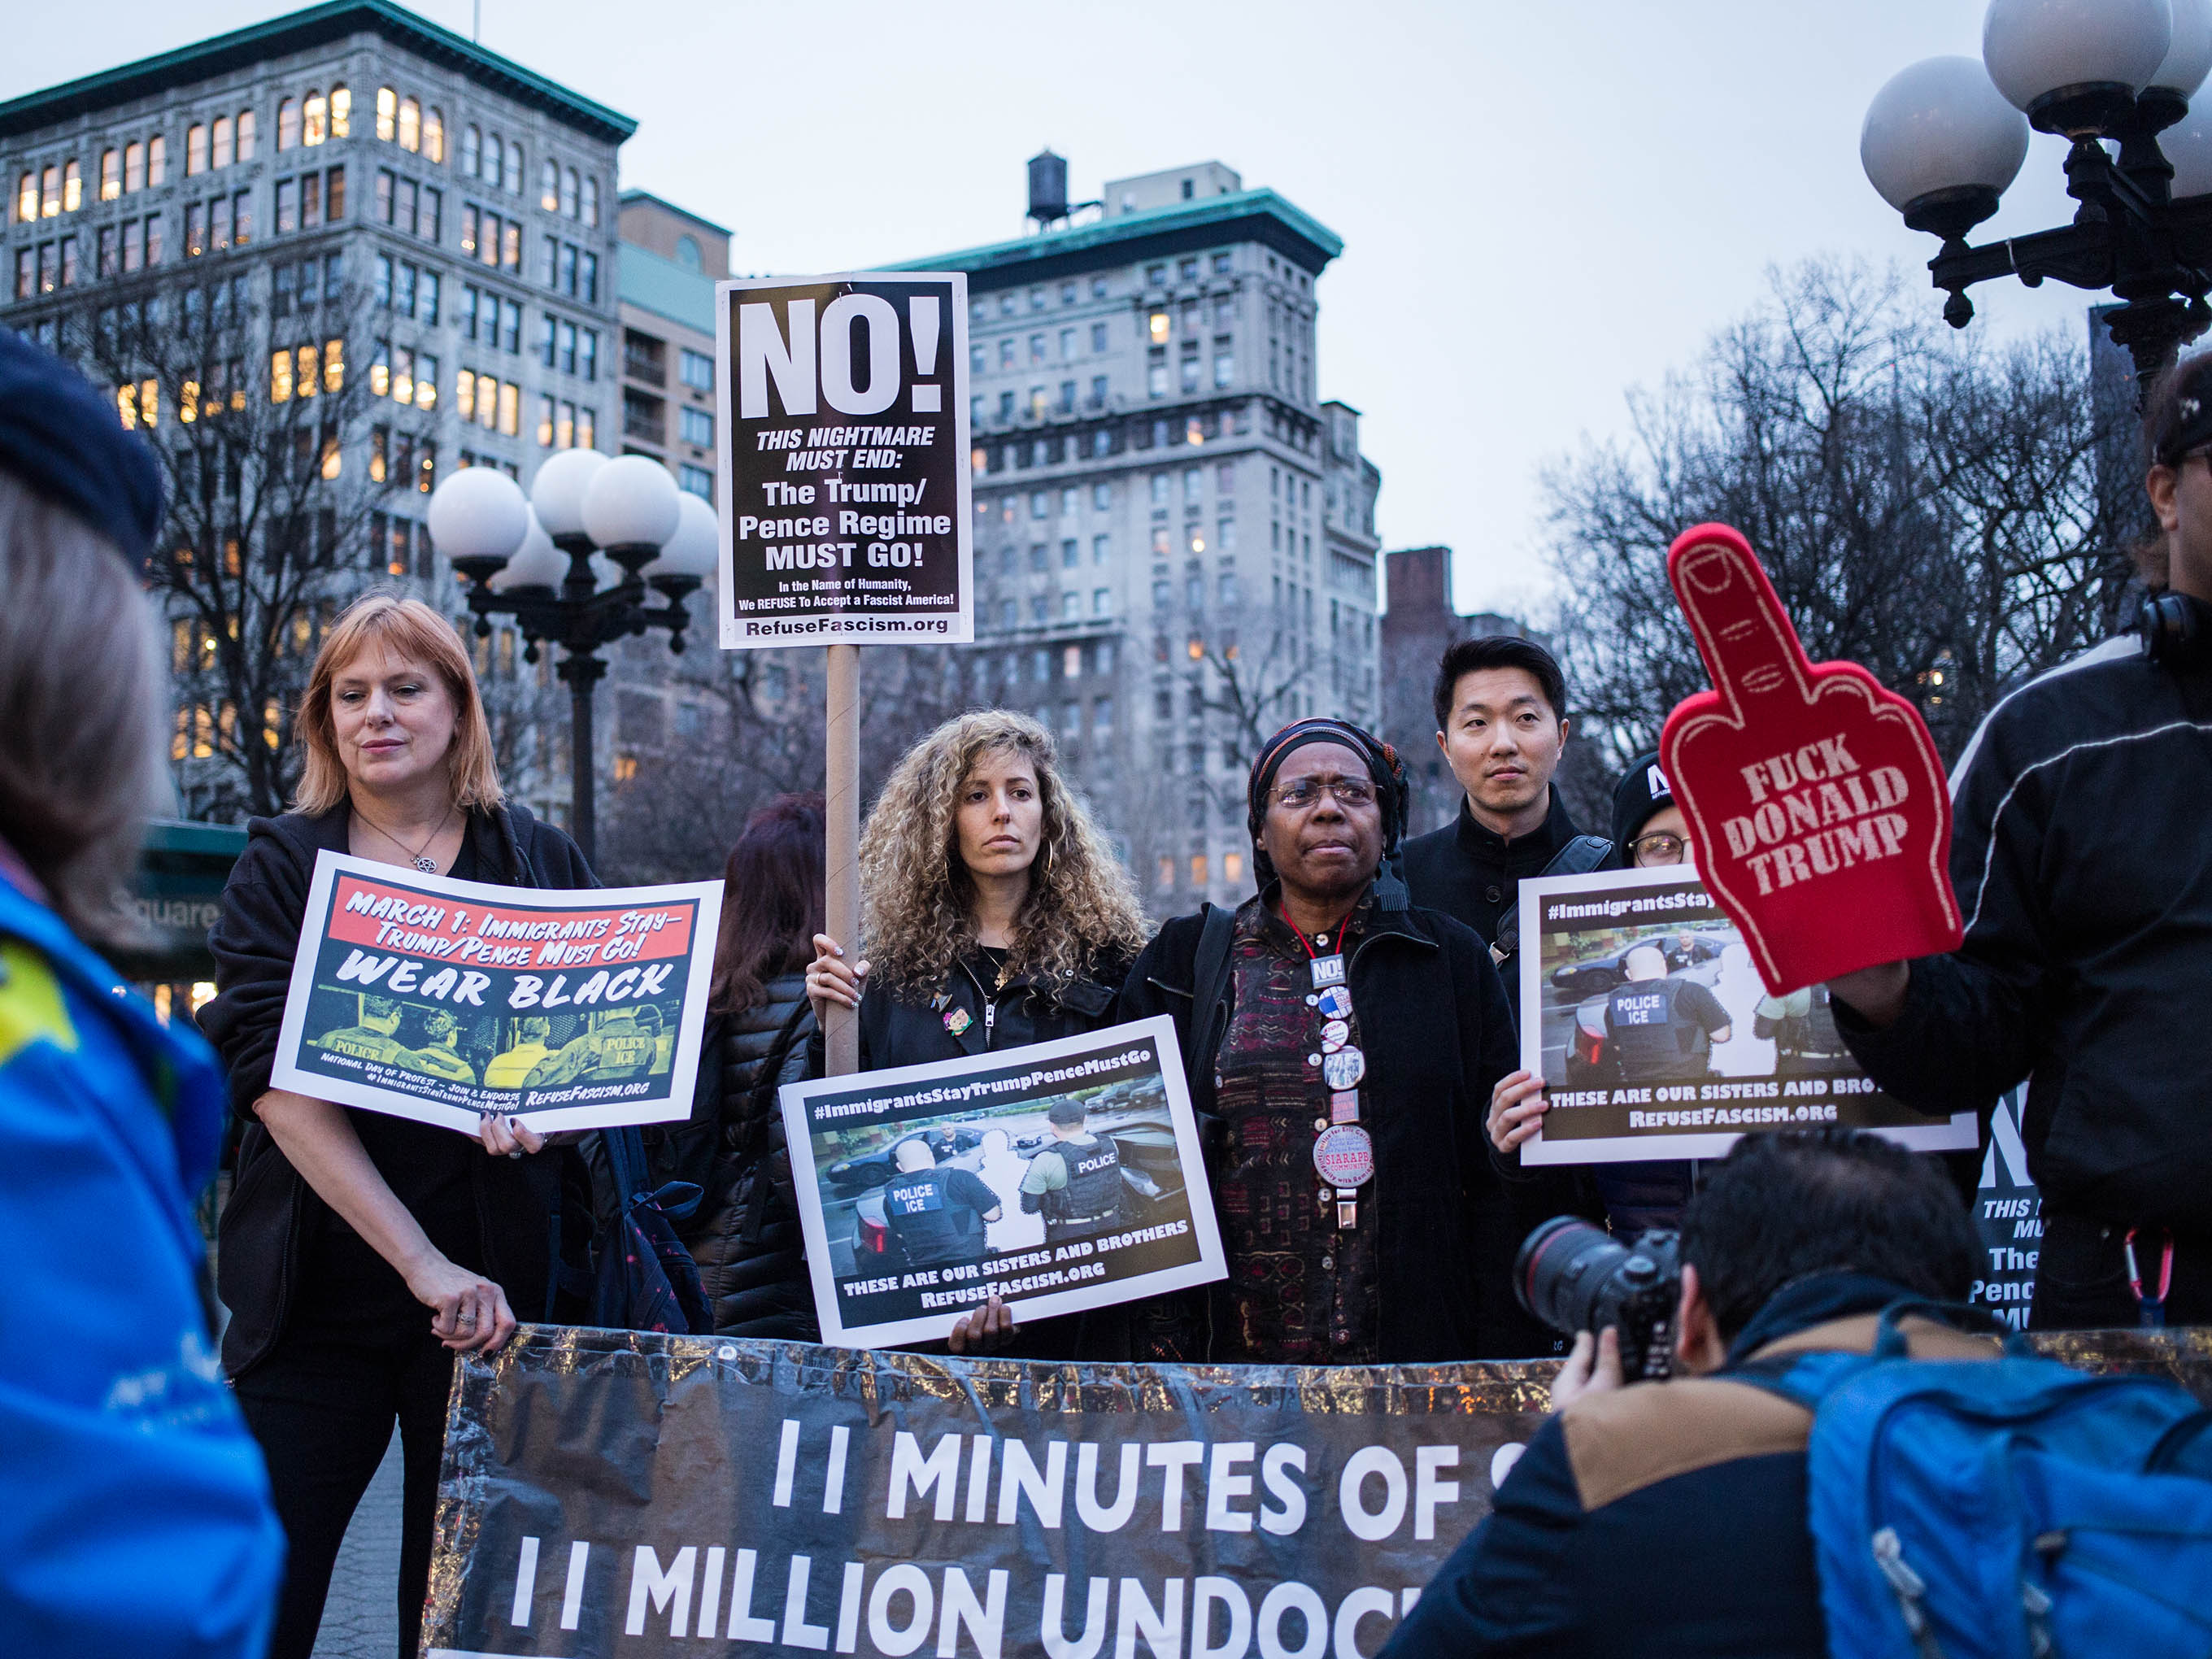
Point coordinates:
[[1575, 1277]]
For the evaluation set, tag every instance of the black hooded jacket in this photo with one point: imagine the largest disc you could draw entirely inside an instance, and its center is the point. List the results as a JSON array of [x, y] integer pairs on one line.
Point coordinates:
[[2083, 861], [746, 1235], [274, 1216], [1438, 1038], [906, 1027]]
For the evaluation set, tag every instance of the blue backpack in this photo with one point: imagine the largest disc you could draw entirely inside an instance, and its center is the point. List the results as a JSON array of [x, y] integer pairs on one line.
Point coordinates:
[[2012, 1508]]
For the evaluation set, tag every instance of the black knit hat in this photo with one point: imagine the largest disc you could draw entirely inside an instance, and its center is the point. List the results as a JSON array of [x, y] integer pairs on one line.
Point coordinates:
[[1390, 789], [64, 441], [1641, 791]]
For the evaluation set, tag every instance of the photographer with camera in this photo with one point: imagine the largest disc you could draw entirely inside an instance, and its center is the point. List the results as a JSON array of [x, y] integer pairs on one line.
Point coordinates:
[[1670, 1516]]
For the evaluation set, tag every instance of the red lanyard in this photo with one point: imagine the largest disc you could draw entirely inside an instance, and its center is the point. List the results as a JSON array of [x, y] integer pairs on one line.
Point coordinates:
[[1306, 944], [2151, 1309]]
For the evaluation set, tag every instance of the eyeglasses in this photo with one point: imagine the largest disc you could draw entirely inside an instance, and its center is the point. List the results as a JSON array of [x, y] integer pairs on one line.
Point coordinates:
[[1307, 792], [1661, 848]]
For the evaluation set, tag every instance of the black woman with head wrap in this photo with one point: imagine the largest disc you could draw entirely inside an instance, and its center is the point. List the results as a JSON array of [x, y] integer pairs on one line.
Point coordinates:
[[1342, 1045]]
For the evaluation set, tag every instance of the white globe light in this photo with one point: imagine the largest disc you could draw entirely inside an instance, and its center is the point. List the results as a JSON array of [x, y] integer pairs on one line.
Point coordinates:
[[1940, 124], [537, 563], [558, 491], [696, 549], [478, 514], [2189, 59], [632, 502], [2188, 146], [2034, 47]]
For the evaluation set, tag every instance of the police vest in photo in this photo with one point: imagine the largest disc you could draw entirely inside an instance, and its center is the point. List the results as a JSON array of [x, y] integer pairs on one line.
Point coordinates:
[[1649, 1034], [1093, 1192], [918, 1209]]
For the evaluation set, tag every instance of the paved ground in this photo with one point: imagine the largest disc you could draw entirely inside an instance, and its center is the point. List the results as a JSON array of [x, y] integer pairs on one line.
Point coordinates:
[[361, 1618]]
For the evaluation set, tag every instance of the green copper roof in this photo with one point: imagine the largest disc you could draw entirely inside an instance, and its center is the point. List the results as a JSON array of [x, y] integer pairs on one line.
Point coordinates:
[[1260, 215], [302, 31], [666, 288]]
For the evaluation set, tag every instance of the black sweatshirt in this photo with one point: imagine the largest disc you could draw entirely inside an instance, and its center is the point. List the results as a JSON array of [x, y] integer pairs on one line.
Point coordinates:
[[2082, 855]]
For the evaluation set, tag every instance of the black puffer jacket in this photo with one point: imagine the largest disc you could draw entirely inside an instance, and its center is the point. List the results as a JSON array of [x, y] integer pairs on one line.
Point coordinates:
[[911, 1028], [745, 1233]]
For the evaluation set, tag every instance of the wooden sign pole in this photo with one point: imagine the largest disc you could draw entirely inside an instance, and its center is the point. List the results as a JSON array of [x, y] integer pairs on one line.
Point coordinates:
[[842, 866]]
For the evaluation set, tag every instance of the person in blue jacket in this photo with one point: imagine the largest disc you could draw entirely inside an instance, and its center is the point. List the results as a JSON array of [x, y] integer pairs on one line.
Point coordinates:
[[135, 1512]]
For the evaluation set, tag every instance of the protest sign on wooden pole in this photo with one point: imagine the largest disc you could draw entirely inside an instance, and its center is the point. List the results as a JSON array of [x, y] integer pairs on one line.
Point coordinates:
[[841, 867], [844, 504]]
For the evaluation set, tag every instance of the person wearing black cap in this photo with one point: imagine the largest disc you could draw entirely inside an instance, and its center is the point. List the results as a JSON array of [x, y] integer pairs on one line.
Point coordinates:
[[1649, 829], [1342, 1045], [1075, 1183], [2082, 856], [139, 1519]]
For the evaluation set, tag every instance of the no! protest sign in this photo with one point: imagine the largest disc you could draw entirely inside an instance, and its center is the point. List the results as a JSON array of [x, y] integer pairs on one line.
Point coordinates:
[[844, 479]]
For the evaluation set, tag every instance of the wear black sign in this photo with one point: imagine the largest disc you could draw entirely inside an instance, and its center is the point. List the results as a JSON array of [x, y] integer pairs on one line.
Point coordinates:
[[844, 487]]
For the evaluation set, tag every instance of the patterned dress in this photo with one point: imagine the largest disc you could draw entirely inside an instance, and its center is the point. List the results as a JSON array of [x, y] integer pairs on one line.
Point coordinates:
[[1301, 1288]]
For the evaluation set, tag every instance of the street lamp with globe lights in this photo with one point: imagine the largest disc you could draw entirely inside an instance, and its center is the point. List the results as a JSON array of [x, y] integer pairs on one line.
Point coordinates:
[[1945, 136], [534, 560]]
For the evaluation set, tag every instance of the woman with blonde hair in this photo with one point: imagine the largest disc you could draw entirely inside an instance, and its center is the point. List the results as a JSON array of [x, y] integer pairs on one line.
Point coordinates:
[[993, 910], [359, 1251]]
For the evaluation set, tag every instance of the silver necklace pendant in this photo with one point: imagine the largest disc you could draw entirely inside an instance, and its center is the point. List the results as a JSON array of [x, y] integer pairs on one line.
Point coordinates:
[[427, 865]]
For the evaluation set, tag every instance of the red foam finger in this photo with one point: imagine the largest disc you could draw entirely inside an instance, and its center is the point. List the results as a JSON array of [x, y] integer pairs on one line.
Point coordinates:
[[1815, 799], [1750, 651]]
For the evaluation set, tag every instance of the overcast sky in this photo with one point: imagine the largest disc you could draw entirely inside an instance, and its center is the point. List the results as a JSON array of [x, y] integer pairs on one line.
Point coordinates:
[[1542, 205]]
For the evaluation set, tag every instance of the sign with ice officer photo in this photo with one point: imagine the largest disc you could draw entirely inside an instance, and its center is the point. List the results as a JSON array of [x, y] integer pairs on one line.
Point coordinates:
[[1656, 1038], [1058, 1177], [440, 1000], [844, 499]]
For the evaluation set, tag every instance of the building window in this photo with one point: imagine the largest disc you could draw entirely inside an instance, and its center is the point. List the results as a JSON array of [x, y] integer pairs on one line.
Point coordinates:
[[157, 162], [697, 370], [315, 124], [287, 122], [196, 149], [696, 479], [222, 147], [471, 151]]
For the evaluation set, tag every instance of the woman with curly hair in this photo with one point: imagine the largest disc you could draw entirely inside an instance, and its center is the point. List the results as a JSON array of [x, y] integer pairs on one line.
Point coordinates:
[[992, 911]]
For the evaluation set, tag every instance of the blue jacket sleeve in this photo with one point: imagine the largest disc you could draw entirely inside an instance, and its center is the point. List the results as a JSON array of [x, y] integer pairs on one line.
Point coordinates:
[[1509, 1588], [138, 1519]]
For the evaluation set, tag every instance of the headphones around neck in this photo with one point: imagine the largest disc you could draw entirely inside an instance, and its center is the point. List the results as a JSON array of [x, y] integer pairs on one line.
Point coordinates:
[[2177, 630]]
